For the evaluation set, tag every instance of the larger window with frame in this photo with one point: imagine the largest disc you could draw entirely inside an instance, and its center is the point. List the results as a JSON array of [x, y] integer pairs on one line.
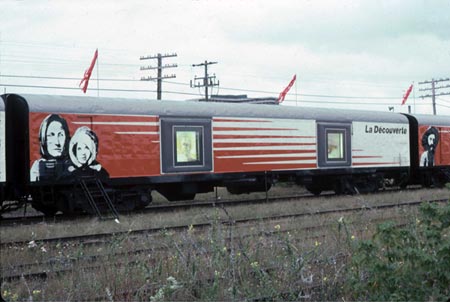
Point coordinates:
[[334, 144], [186, 145]]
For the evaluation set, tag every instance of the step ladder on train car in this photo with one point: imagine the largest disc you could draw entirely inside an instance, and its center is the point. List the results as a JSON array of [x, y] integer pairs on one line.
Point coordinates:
[[98, 198]]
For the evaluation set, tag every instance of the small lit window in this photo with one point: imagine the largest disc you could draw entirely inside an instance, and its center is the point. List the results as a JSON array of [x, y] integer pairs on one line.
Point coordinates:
[[188, 144], [335, 145]]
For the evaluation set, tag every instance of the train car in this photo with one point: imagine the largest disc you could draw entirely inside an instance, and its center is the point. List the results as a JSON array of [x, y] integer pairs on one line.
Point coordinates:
[[183, 148], [13, 149], [2, 151], [430, 149]]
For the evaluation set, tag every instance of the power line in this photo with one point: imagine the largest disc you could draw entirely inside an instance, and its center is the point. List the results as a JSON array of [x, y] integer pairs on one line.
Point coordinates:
[[101, 89], [442, 105], [191, 94], [66, 78], [223, 88]]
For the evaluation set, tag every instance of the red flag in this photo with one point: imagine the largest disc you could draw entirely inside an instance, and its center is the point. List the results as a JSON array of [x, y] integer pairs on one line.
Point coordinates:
[[285, 91], [405, 97], [88, 72]]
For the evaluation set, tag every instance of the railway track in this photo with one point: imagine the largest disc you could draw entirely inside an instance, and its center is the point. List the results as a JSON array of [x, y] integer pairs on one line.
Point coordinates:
[[60, 266], [181, 205], [23, 219], [220, 204]]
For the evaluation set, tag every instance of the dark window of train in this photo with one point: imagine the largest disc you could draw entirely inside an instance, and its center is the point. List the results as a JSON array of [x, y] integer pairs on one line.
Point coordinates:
[[188, 146]]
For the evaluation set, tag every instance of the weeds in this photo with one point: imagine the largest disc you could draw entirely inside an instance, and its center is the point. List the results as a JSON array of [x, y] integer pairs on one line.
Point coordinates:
[[266, 261], [410, 263]]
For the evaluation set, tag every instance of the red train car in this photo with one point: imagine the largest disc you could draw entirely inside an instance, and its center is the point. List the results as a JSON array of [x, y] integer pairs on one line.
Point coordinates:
[[52, 143], [432, 148]]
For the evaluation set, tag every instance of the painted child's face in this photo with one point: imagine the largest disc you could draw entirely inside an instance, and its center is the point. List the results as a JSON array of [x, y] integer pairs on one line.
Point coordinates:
[[83, 153]]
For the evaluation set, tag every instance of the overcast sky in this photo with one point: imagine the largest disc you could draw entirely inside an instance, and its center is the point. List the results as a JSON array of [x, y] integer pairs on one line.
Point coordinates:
[[346, 54]]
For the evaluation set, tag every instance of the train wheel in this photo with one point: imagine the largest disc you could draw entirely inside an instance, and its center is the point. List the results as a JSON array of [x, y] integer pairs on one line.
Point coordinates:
[[175, 192], [179, 196], [66, 202], [426, 180], [438, 181], [344, 185], [48, 211], [144, 200], [314, 190]]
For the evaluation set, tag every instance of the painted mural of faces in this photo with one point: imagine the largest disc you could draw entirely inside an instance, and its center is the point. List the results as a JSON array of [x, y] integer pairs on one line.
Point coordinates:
[[54, 137], [83, 147], [430, 140]]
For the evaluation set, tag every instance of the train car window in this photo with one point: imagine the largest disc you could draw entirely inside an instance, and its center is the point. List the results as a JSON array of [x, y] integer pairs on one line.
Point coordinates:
[[186, 145], [334, 144]]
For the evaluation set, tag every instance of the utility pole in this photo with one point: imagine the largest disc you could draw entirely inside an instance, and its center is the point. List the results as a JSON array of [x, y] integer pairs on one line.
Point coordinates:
[[208, 81], [433, 89], [160, 67]]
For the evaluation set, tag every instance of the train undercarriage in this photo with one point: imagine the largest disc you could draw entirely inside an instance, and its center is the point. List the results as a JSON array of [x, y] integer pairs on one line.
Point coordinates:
[[73, 198]]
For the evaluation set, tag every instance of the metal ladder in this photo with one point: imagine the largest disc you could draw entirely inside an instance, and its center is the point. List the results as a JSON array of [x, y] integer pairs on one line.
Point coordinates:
[[98, 198]]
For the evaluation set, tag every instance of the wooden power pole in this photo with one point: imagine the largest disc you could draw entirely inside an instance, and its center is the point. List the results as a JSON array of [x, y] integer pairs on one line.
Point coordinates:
[[433, 89], [160, 67], [205, 81]]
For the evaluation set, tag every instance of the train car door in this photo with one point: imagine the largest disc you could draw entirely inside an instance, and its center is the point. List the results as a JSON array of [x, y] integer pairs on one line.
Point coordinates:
[[334, 144]]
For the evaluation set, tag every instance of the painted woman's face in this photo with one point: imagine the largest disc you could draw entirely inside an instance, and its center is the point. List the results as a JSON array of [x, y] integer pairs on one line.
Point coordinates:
[[83, 153], [56, 138]]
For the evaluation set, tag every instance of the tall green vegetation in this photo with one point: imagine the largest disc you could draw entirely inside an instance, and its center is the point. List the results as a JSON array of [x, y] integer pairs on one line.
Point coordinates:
[[404, 263]]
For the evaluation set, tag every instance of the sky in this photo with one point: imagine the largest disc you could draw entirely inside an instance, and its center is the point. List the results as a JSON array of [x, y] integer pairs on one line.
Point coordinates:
[[346, 53]]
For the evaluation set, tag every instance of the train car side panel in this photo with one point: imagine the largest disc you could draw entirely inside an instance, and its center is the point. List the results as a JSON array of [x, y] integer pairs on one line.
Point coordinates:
[[263, 144], [117, 145], [380, 145], [434, 145]]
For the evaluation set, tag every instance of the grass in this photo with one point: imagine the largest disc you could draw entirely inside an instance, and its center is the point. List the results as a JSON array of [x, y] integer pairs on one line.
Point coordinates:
[[280, 260]]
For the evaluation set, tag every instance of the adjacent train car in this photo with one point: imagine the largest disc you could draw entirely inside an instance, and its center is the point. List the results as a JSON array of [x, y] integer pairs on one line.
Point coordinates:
[[13, 148], [2, 151], [183, 148], [430, 150]]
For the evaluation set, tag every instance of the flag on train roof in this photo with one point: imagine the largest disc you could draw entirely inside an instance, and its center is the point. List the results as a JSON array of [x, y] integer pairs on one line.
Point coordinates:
[[405, 97], [87, 74], [286, 90]]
